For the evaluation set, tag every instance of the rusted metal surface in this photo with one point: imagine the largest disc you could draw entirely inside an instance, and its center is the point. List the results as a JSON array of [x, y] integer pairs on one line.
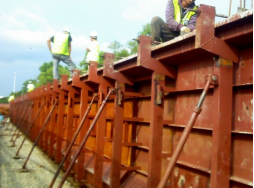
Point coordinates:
[[137, 135]]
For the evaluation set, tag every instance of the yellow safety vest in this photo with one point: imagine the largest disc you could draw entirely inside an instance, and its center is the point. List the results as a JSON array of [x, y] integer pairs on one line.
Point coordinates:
[[177, 15], [10, 98], [61, 44], [93, 55], [30, 87]]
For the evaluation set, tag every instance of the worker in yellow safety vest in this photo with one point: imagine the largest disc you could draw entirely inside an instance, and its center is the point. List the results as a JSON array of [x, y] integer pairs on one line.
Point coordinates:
[[179, 20], [11, 98], [30, 86], [61, 51], [93, 49]]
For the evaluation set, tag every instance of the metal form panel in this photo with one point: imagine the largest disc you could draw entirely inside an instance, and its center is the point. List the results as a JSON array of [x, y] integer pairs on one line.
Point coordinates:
[[139, 130]]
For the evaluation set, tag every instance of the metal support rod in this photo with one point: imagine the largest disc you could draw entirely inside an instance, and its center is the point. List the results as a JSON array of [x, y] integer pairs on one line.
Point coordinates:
[[38, 137], [20, 120], [22, 124], [30, 128], [184, 137], [72, 141], [12, 110], [230, 3], [85, 139], [14, 122]]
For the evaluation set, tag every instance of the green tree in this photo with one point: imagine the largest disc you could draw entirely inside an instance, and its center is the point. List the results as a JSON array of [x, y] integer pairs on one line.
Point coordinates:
[[4, 100], [133, 45], [46, 73], [119, 50], [146, 29]]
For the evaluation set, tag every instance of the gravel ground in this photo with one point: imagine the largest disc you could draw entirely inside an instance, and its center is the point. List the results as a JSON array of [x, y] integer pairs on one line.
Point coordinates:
[[41, 168]]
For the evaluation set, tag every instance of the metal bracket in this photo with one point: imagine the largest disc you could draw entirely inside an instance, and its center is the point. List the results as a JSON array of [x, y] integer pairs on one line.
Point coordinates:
[[119, 97], [213, 79], [158, 91]]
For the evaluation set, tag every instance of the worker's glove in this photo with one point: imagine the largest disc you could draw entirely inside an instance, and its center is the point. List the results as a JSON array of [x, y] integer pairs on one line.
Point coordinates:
[[184, 30]]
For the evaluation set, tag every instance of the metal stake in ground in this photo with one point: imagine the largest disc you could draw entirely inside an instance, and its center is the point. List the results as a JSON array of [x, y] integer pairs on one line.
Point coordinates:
[[14, 122], [30, 128], [24, 112], [72, 141], [37, 139], [13, 144], [85, 139], [211, 80]]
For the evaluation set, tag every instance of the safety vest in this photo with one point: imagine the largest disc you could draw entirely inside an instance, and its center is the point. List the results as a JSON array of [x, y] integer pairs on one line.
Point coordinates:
[[177, 15], [30, 87], [61, 44], [11, 98], [93, 54]]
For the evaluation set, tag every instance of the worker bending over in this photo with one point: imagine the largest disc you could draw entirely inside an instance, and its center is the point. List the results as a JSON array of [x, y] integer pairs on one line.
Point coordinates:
[[61, 51], [179, 20], [93, 49]]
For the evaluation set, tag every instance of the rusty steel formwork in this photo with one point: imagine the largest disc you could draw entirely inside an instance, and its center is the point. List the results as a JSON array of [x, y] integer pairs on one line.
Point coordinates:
[[179, 114]]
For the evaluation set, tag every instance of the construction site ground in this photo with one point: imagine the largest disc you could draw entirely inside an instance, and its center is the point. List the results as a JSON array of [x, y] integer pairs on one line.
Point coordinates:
[[41, 168]]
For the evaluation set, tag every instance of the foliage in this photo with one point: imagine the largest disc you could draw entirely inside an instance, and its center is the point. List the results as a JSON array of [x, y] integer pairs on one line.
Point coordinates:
[[4, 100], [46, 74], [146, 29], [121, 50]]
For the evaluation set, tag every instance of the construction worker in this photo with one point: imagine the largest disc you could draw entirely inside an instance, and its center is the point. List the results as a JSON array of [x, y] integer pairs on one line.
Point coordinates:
[[179, 20], [30, 86], [93, 49], [11, 98], [61, 51]]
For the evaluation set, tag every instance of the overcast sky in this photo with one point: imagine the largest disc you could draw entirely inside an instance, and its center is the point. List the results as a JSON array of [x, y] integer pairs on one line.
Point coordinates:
[[26, 25]]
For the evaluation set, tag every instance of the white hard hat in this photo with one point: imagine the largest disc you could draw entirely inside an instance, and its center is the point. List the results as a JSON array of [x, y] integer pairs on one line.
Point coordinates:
[[66, 30], [94, 34]]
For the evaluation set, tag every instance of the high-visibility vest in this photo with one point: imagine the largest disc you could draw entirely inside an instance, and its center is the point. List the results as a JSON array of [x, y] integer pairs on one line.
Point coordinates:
[[61, 44], [30, 87], [11, 98], [177, 15], [93, 54]]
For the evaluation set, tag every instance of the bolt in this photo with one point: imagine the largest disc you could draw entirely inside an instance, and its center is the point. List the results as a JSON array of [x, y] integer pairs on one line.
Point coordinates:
[[214, 78]]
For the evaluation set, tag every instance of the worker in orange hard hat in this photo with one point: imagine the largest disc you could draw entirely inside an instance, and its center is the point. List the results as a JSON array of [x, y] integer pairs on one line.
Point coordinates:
[[179, 20]]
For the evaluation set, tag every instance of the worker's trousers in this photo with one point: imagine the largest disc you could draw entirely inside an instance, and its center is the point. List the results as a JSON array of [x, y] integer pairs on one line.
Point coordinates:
[[64, 58], [160, 30]]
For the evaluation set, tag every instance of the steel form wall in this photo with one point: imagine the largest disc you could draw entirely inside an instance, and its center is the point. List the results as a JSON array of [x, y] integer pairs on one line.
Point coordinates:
[[156, 91]]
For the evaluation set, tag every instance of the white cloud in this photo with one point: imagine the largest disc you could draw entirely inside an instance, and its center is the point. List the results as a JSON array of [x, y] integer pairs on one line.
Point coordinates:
[[24, 27], [144, 10]]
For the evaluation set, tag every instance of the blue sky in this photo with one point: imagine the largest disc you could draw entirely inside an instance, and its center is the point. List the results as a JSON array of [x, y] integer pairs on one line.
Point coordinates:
[[26, 25]]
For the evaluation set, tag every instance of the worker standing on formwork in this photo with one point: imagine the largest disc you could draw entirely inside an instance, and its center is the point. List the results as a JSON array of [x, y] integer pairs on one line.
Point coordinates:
[[93, 49], [11, 97], [61, 51], [179, 21], [30, 86]]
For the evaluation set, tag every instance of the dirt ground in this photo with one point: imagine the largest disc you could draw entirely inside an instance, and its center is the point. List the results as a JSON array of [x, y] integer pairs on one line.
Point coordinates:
[[41, 168]]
